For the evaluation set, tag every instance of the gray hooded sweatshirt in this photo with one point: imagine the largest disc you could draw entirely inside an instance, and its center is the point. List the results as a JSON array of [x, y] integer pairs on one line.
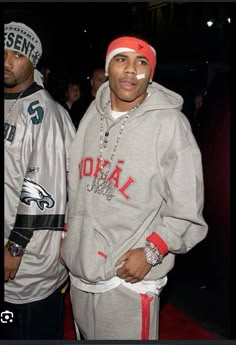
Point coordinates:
[[154, 188]]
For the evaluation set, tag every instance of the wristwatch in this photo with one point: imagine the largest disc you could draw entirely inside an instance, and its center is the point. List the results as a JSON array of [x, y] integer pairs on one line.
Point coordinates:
[[15, 249], [152, 254], [63, 234]]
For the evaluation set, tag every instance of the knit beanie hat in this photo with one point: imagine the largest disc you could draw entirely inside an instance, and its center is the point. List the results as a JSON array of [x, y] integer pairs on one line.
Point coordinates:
[[131, 44], [21, 38]]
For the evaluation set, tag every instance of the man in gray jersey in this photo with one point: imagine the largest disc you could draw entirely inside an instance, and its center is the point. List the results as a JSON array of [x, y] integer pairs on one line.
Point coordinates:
[[135, 198], [37, 136]]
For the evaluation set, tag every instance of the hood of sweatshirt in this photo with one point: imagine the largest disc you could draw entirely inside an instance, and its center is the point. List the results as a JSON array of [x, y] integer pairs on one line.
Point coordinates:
[[159, 98]]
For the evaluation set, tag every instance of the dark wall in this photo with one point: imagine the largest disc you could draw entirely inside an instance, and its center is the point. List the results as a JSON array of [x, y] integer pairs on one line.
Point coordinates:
[[213, 136], [205, 273], [209, 262]]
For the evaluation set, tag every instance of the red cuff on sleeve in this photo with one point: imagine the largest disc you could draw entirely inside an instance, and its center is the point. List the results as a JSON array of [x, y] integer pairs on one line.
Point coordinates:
[[158, 242], [65, 227]]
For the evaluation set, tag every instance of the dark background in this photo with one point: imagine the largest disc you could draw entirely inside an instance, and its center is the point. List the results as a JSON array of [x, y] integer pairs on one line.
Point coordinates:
[[190, 56], [177, 30]]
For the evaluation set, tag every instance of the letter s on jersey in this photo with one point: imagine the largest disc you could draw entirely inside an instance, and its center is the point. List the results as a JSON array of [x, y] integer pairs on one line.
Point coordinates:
[[37, 112]]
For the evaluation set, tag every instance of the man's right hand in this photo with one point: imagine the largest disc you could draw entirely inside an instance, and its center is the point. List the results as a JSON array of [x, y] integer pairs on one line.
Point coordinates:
[[11, 265]]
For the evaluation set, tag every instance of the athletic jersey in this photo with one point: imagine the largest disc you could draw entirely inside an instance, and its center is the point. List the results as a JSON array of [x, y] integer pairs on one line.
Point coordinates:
[[37, 133]]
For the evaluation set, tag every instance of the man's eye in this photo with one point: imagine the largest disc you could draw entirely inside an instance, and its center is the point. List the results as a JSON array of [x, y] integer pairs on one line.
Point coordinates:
[[120, 59], [18, 55], [143, 62]]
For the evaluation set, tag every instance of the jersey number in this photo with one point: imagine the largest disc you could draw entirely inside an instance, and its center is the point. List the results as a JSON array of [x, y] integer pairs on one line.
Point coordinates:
[[9, 131], [37, 111]]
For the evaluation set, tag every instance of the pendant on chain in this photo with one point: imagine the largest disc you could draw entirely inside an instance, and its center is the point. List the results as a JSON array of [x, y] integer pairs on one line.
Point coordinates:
[[101, 185], [105, 140]]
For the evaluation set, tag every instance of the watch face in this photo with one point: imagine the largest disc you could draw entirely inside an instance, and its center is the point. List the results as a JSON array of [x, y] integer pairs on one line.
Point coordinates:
[[15, 250], [152, 258]]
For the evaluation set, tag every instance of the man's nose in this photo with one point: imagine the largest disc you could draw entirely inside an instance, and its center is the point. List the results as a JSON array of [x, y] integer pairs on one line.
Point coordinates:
[[131, 67], [8, 60]]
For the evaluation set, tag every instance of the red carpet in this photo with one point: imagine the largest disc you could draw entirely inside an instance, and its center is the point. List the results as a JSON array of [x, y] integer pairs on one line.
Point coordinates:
[[174, 324]]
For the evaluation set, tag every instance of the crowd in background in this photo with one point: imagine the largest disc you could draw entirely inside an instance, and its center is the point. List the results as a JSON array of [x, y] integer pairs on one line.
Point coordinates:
[[191, 82]]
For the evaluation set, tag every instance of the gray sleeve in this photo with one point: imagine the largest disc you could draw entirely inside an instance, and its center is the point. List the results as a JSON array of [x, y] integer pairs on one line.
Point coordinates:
[[180, 223]]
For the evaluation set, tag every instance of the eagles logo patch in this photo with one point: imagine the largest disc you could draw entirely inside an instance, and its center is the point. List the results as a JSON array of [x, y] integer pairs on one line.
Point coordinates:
[[34, 192]]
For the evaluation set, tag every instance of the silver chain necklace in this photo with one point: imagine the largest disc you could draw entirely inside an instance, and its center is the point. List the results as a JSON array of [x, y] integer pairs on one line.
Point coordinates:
[[104, 140], [13, 104], [100, 183]]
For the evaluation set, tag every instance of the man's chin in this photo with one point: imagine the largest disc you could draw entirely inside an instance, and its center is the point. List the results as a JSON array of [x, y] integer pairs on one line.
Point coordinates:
[[9, 85]]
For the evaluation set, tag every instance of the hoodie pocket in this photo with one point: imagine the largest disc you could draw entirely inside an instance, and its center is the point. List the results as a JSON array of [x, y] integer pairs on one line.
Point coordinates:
[[86, 251]]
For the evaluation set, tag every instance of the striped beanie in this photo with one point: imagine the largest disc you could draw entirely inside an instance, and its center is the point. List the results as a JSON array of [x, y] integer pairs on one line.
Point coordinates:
[[131, 44], [20, 38]]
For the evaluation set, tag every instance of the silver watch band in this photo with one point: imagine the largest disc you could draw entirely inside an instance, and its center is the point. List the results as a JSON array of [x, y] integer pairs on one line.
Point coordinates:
[[152, 254], [15, 249]]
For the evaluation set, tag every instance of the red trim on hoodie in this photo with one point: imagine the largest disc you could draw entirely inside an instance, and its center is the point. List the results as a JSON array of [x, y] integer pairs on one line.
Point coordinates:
[[158, 242], [102, 254]]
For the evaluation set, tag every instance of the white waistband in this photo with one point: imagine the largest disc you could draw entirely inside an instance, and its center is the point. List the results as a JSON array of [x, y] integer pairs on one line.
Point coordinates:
[[141, 287]]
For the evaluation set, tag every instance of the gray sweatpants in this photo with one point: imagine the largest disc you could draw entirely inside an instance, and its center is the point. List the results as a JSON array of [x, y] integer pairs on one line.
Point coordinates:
[[118, 314]]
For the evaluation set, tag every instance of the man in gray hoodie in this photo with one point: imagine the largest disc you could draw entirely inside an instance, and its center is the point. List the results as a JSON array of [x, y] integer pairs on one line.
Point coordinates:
[[135, 198]]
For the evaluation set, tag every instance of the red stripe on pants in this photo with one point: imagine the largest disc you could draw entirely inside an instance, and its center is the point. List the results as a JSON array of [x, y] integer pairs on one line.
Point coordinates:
[[145, 300]]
